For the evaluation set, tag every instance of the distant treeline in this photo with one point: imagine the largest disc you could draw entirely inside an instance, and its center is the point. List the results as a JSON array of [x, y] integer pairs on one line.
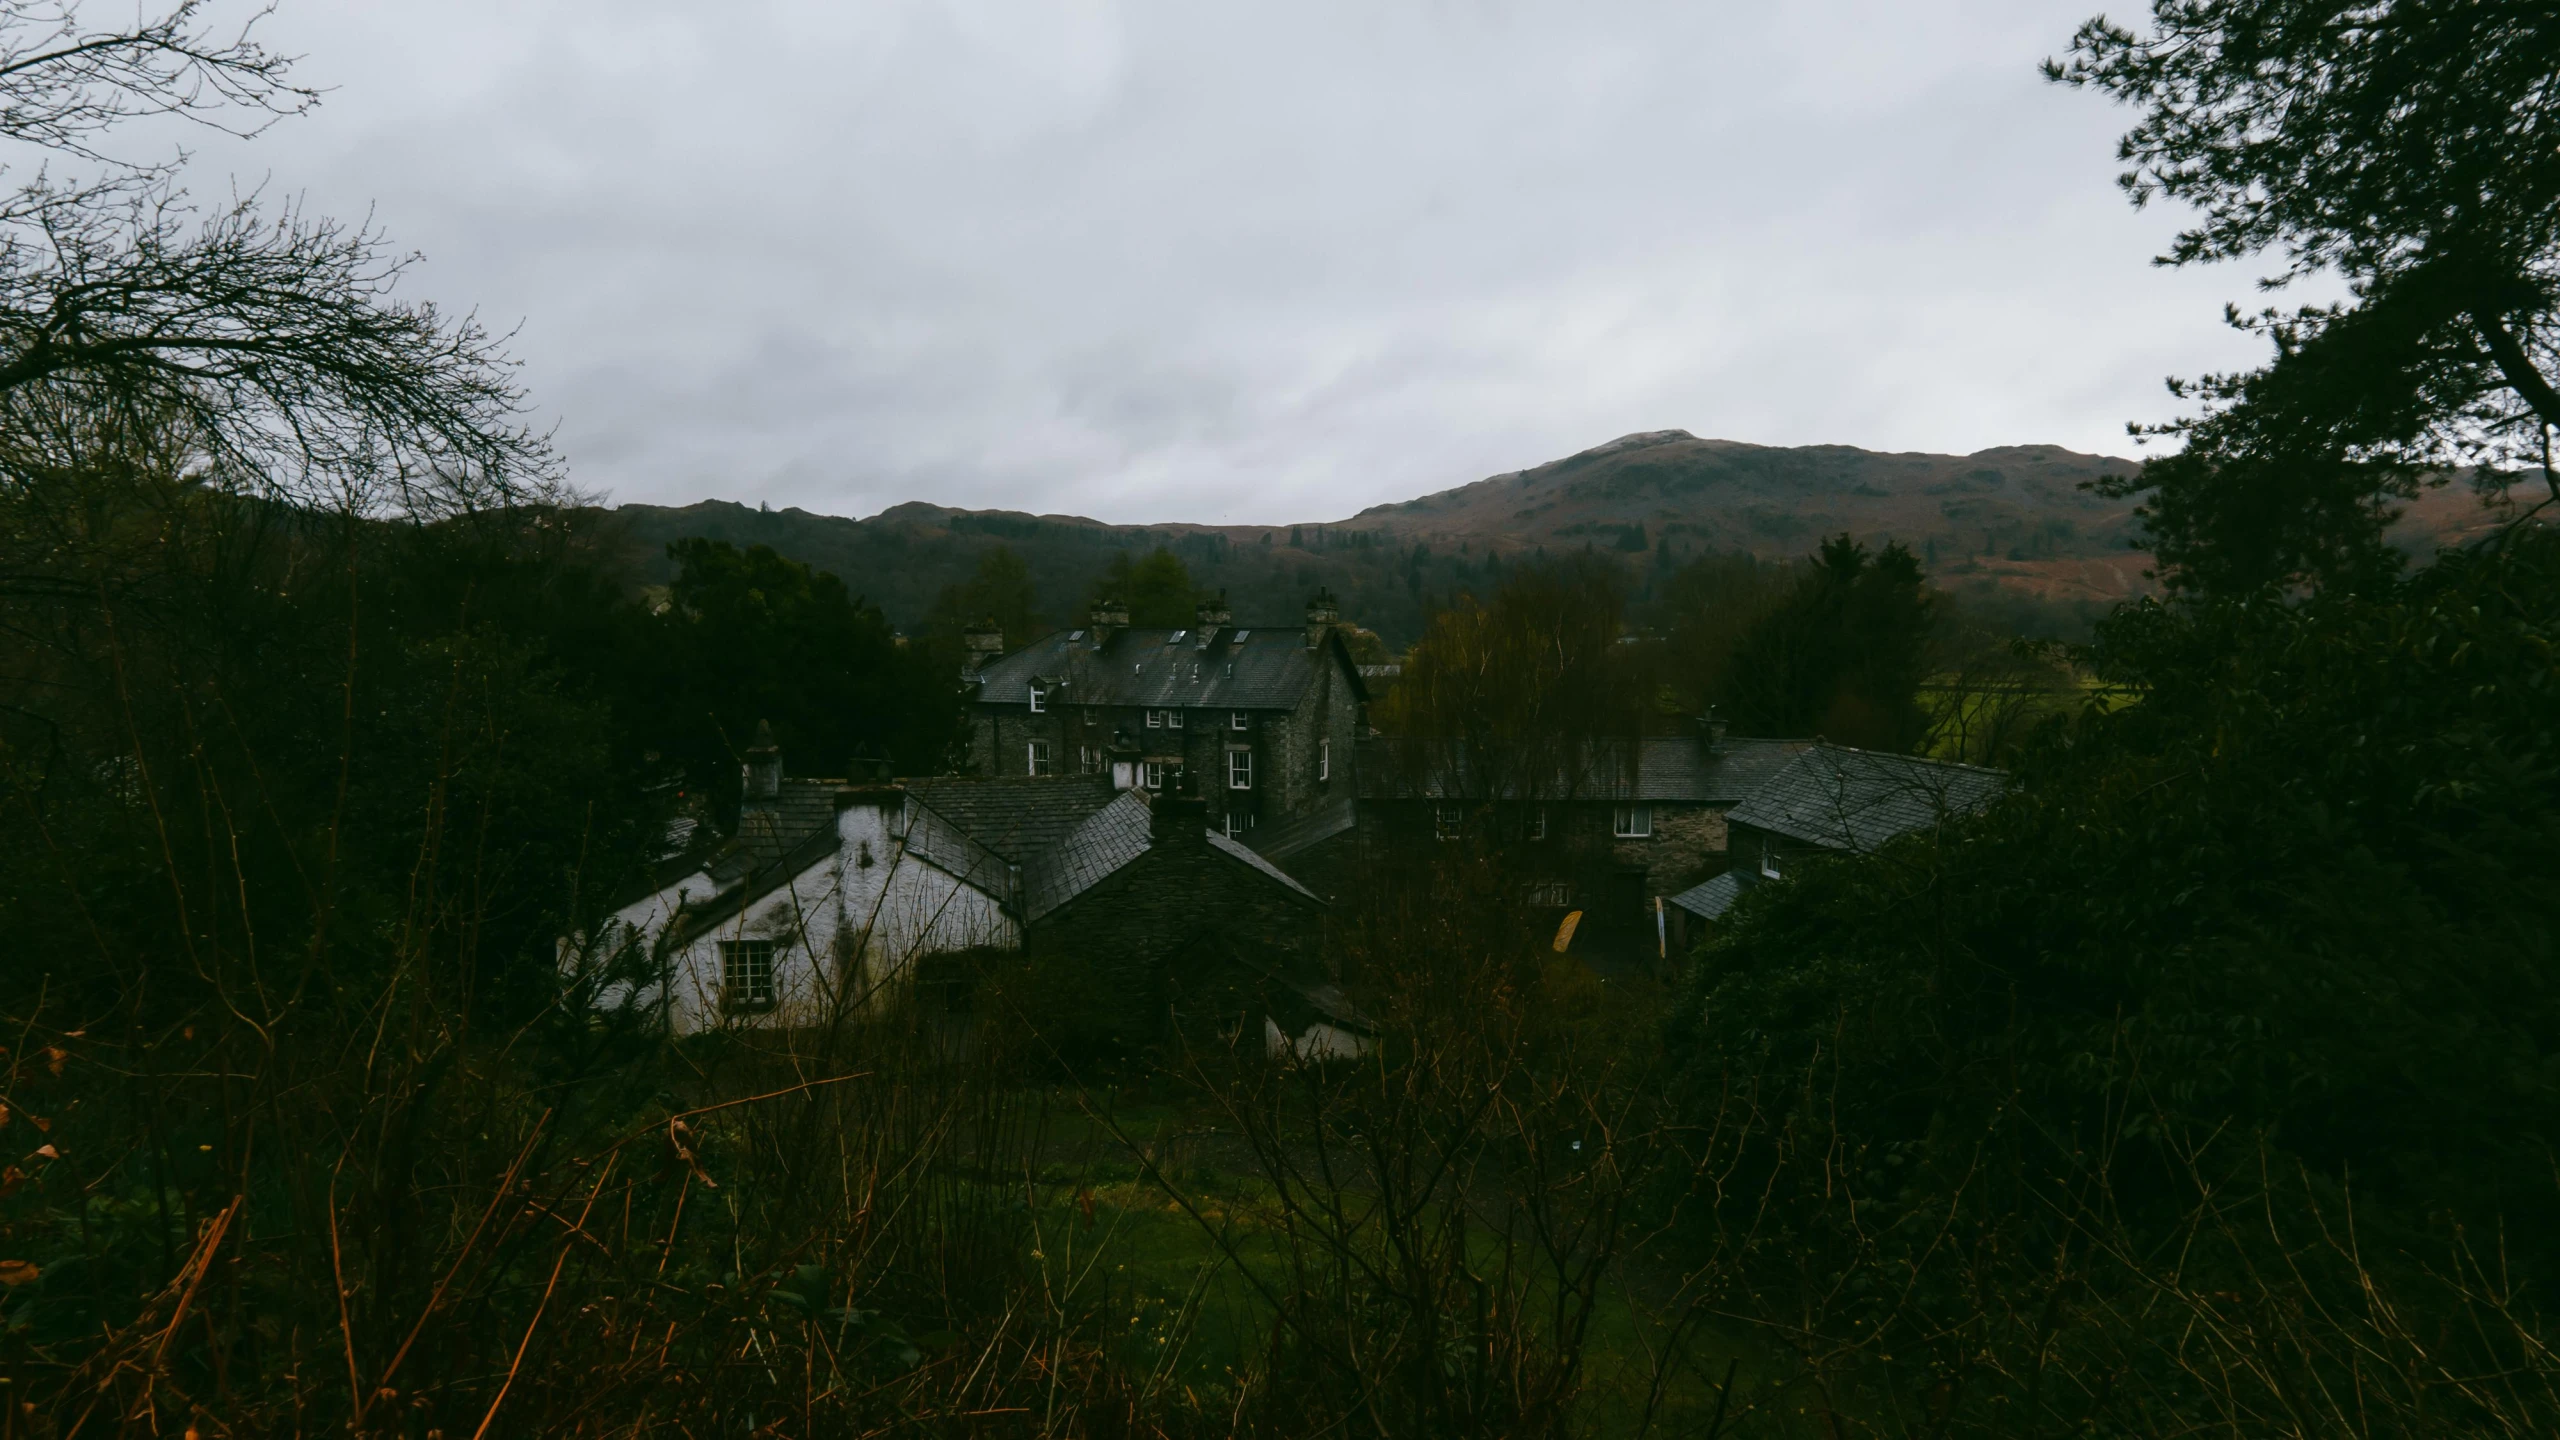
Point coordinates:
[[906, 563]]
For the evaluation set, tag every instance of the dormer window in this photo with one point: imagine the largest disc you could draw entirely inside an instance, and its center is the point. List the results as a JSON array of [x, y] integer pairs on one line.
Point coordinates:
[[1039, 700], [1236, 720], [1769, 860]]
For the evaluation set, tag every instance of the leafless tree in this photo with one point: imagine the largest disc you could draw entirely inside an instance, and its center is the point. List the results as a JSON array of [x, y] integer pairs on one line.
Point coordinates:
[[268, 342]]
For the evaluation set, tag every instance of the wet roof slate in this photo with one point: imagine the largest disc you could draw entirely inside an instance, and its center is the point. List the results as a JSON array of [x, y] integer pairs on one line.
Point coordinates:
[[1240, 668], [1017, 817], [1225, 846], [1710, 900], [1847, 799], [1112, 837], [1668, 769], [770, 828], [1107, 839], [1295, 837]]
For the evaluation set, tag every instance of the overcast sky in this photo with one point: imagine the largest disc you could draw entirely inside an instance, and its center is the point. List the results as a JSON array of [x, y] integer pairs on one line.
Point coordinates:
[[1192, 260]]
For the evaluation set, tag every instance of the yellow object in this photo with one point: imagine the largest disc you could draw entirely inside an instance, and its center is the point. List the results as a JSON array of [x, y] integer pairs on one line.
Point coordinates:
[[1564, 932]]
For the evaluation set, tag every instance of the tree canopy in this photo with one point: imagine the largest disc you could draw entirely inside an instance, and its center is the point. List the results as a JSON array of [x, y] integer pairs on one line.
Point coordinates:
[[749, 636], [1842, 655], [1157, 587], [2409, 150]]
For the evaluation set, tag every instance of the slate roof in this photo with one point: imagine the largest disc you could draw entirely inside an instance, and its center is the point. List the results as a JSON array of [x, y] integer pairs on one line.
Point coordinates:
[[1112, 837], [1305, 832], [932, 837], [1226, 846], [1108, 839], [1710, 900], [1669, 769], [1037, 843], [1846, 799], [767, 829], [743, 887], [1241, 667], [1017, 817]]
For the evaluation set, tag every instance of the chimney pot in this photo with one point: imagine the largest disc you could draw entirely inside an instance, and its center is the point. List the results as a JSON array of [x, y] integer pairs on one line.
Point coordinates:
[[1108, 615], [762, 773], [1322, 614], [984, 642]]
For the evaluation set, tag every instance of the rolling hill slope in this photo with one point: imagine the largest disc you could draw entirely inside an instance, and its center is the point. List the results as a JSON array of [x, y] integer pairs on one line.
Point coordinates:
[[2013, 521]]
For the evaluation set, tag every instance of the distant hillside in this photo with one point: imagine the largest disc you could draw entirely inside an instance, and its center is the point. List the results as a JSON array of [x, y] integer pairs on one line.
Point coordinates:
[[2013, 522]]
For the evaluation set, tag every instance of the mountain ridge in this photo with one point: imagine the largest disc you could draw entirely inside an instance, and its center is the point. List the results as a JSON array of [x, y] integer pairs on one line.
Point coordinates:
[[2015, 521]]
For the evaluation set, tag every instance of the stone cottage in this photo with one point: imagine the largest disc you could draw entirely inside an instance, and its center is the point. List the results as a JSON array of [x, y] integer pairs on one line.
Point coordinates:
[[1642, 818], [831, 898], [1262, 718], [1830, 799]]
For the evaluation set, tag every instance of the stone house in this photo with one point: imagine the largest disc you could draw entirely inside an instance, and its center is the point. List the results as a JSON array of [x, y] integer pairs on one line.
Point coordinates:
[[1643, 818], [1829, 799], [1264, 719], [833, 898]]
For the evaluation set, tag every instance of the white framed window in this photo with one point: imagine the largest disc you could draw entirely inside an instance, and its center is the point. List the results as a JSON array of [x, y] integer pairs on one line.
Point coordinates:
[[1631, 822], [1151, 773], [1035, 758], [746, 974], [1448, 822], [1324, 760], [1173, 719], [1155, 719], [1769, 859], [1039, 700], [1236, 720], [1238, 822], [1088, 760], [1239, 769]]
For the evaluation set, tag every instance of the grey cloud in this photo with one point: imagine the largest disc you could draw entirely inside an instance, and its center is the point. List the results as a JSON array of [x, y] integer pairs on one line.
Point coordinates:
[[1165, 259]]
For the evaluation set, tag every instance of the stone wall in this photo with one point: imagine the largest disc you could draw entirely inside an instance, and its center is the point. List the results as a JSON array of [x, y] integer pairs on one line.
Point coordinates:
[[1687, 846], [1285, 744], [1128, 932]]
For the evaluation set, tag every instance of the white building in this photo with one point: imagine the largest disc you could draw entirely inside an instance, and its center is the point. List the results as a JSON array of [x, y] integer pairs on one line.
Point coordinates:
[[830, 895]]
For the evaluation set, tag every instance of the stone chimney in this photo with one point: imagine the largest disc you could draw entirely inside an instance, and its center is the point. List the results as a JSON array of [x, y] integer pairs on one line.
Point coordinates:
[[1108, 615], [1322, 616], [1212, 614], [762, 774], [1178, 819], [1711, 728], [985, 642]]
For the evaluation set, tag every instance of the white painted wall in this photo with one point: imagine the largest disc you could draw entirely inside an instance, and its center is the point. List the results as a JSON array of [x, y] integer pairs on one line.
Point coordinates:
[[846, 931]]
